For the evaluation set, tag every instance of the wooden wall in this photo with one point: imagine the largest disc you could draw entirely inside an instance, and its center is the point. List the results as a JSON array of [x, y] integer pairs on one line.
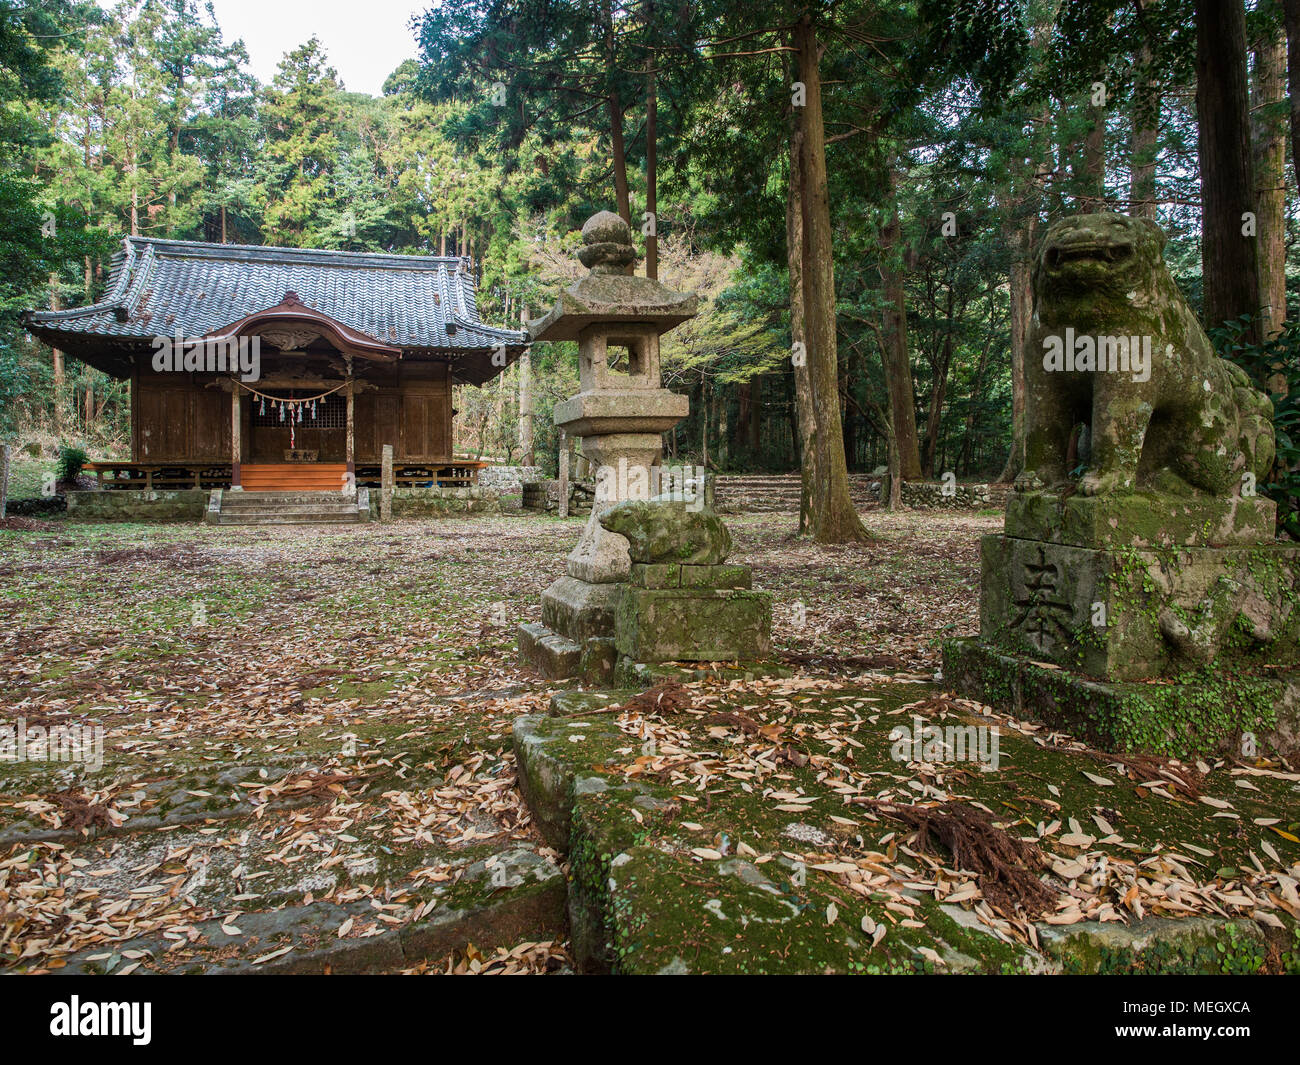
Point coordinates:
[[410, 409], [175, 418]]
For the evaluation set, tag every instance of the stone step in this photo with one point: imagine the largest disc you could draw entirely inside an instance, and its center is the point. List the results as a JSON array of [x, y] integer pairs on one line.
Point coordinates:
[[286, 519], [345, 513], [254, 499], [287, 508], [755, 493], [321, 499]]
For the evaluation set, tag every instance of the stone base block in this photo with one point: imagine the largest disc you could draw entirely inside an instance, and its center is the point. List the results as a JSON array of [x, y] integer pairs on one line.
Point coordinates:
[[130, 505], [557, 657], [1140, 519], [599, 659], [600, 556], [551, 655], [638, 676], [689, 625], [431, 501], [1135, 614], [1212, 711], [672, 575], [578, 609]]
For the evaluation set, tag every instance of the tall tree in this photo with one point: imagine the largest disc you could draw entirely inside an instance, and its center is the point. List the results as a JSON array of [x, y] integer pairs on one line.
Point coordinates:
[[834, 518], [1228, 215], [1268, 151], [299, 162]]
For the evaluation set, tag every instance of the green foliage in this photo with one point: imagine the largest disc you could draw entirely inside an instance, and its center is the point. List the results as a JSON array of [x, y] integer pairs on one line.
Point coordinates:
[[1274, 368], [70, 463], [143, 118], [14, 382]]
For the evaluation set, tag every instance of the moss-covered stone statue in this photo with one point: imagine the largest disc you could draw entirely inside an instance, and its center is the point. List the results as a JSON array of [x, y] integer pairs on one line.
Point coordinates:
[[1114, 347], [1138, 595]]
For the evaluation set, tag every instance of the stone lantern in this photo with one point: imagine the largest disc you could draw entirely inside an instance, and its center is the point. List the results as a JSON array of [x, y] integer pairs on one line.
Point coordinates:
[[620, 414]]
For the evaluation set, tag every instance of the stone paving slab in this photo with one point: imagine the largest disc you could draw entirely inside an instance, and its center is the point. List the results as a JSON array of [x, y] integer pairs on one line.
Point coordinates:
[[675, 865]]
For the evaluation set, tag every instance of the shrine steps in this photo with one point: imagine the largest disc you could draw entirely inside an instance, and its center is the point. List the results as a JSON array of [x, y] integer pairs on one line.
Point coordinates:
[[756, 493], [293, 477], [226, 507]]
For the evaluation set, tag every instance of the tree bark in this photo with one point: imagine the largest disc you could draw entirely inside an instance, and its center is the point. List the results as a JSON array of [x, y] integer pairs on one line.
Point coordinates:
[[1094, 159], [898, 365], [1291, 9], [56, 359], [834, 518], [1228, 256], [1020, 242], [937, 397], [526, 409], [651, 172], [614, 109], [1145, 128], [619, 152], [806, 440], [1268, 147]]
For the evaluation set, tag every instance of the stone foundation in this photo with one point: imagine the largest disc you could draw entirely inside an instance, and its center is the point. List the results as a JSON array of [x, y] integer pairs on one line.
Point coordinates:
[[1203, 712], [1140, 613], [693, 624], [1140, 519], [544, 497], [1141, 621], [436, 502], [508, 480], [935, 494], [138, 506]]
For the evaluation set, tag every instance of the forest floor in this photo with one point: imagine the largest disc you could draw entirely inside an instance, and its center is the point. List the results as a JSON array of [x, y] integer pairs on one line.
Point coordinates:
[[309, 762]]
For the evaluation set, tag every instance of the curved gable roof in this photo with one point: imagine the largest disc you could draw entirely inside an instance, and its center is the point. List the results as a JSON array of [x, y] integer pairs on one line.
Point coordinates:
[[161, 287]]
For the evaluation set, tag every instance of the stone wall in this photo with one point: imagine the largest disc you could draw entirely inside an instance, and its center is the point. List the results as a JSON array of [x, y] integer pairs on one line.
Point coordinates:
[[125, 505], [544, 496], [435, 502], [37, 508], [508, 480], [928, 494]]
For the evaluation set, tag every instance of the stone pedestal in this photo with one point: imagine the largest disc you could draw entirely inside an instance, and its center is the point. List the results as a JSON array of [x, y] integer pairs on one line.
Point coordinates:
[[682, 603], [1144, 519], [1160, 622], [1139, 595], [1139, 613]]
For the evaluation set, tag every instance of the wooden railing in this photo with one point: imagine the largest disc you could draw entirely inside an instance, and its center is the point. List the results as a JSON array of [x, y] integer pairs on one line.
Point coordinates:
[[112, 473], [455, 474]]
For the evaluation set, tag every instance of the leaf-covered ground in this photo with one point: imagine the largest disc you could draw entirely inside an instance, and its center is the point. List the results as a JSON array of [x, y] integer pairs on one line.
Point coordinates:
[[321, 716]]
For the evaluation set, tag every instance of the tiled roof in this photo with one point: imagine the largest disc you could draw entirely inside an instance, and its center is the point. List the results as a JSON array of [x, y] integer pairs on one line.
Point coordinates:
[[159, 287]]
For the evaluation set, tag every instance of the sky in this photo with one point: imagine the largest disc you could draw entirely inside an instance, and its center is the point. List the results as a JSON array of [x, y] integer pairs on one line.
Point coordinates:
[[365, 40]]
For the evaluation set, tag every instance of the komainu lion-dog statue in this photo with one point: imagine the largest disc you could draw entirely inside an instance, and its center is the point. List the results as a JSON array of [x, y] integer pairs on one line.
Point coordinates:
[[1121, 378]]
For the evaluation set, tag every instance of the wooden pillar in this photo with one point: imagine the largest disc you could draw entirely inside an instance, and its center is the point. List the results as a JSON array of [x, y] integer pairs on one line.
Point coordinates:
[[564, 476], [352, 466], [235, 442]]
